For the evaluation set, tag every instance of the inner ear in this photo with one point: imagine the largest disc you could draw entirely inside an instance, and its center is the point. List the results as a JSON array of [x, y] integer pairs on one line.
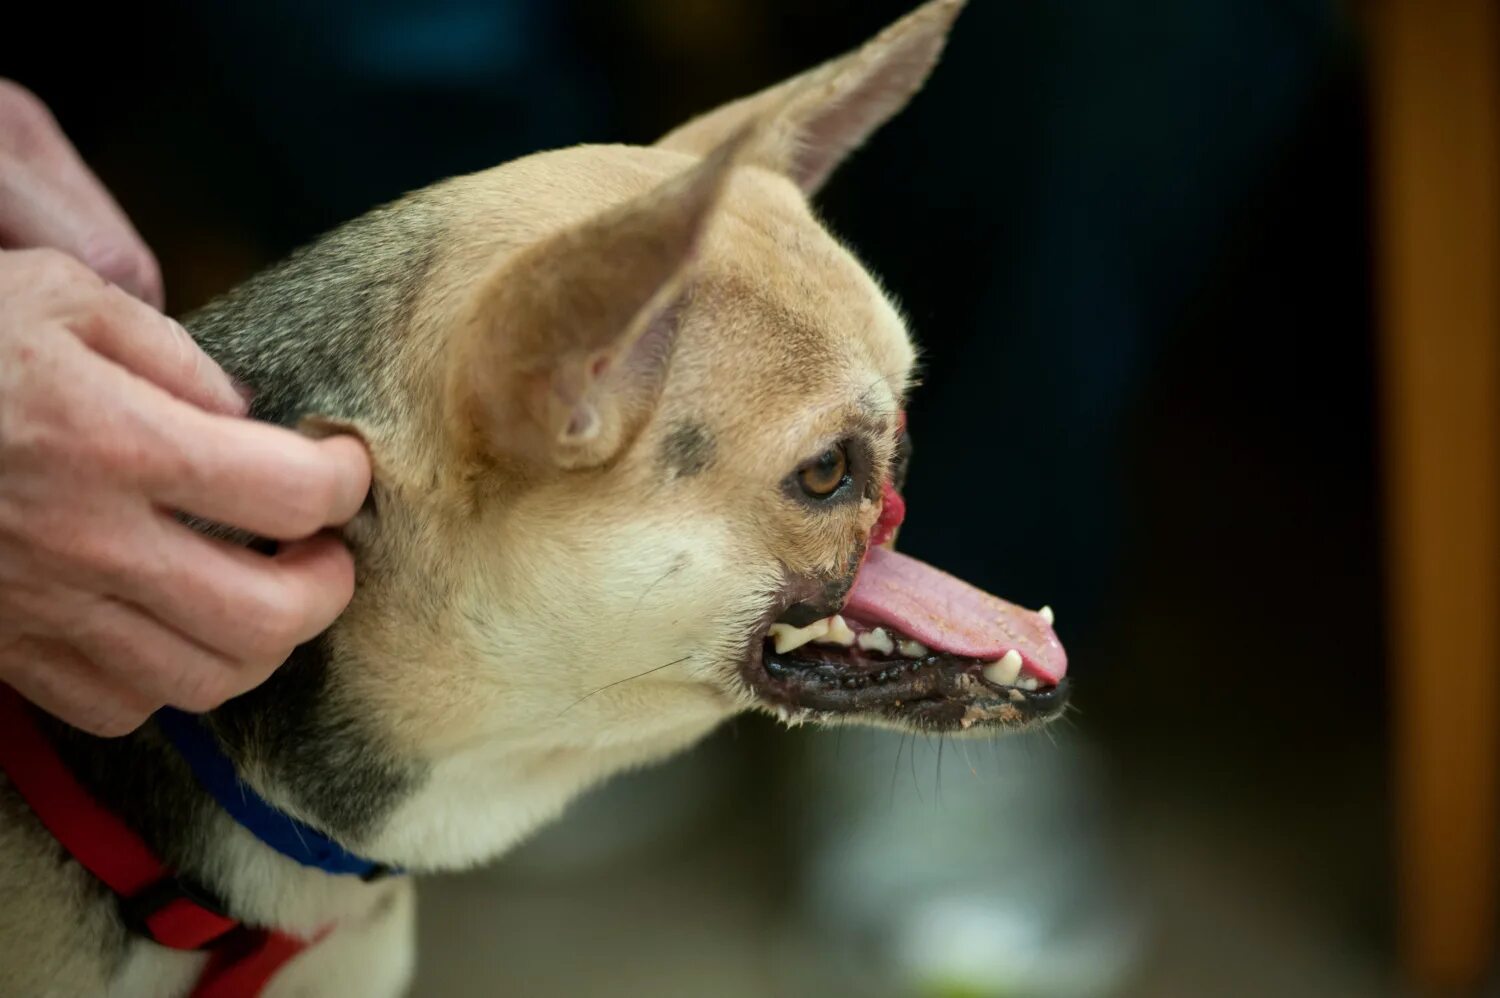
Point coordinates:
[[566, 346]]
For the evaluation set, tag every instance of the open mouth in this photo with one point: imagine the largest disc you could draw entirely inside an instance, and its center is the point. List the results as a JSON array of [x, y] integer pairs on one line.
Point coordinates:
[[916, 645]]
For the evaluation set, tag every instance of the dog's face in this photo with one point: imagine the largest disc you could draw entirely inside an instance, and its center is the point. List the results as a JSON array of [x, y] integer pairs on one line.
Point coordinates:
[[670, 414]]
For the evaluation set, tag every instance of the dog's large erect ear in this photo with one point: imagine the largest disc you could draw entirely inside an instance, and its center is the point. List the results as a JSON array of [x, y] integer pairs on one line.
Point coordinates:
[[565, 348], [816, 119]]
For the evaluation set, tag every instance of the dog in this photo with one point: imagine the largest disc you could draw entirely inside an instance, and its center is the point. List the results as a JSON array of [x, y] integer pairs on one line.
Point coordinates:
[[636, 424]]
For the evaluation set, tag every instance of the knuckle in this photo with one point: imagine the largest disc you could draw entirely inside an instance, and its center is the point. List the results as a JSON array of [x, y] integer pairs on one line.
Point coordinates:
[[28, 413], [52, 268], [148, 277], [109, 716], [309, 503], [187, 357], [274, 626], [58, 283], [160, 455], [26, 124], [113, 256], [58, 538], [202, 687], [139, 444]]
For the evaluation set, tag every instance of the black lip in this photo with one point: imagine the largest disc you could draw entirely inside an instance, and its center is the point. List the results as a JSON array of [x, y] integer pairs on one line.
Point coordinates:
[[937, 692]]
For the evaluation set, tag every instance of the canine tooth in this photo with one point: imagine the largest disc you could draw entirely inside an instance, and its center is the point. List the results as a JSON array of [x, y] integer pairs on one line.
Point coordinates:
[[1027, 683], [876, 640], [839, 632], [1048, 615], [912, 649], [1005, 671], [787, 637]]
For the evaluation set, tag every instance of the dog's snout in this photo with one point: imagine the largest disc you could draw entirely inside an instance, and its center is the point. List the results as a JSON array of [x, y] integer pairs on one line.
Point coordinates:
[[821, 598]]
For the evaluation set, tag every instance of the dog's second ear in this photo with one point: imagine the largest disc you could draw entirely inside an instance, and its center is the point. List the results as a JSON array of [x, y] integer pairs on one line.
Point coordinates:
[[816, 119], [565, 348]]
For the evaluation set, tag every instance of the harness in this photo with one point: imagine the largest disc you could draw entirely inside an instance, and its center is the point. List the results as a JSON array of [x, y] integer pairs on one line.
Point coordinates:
[[153, 900]]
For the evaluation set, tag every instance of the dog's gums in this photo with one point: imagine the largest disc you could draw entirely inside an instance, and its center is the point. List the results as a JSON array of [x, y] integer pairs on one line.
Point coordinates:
[[931, 689]]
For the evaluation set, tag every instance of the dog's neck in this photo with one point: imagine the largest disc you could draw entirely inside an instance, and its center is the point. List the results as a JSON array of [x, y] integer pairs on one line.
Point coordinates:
[[303, 743], [291, 735], [300, 742]]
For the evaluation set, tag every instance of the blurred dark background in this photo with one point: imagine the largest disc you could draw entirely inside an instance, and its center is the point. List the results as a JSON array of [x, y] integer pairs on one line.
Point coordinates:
[[1133, 241]]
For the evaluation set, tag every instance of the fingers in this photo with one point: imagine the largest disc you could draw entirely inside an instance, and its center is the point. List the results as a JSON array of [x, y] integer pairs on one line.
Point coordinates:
[[112, 662], [48, 197], [156, 348], [265, 479], [154, 661], [248, 608], [71, 688]]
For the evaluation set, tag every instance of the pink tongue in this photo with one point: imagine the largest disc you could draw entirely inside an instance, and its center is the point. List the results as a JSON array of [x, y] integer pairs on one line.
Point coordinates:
[[948, 614]]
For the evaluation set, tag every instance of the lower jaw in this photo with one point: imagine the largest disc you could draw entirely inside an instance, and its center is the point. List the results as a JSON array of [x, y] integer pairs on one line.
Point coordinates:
[[938, 692]]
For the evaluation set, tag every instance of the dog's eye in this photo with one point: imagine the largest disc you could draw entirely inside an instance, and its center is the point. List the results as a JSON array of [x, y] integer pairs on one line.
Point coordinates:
[[824, 475]]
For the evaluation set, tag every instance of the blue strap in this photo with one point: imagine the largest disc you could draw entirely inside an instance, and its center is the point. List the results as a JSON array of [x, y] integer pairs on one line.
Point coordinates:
[[216, 774]]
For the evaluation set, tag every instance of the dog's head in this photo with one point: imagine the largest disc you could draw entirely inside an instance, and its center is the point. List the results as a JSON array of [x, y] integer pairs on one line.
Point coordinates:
[[670, 413]]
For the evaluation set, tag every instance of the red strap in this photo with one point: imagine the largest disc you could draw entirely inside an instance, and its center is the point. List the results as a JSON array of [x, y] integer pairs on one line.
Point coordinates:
[[95, 836], [241, 962], [245, 962]]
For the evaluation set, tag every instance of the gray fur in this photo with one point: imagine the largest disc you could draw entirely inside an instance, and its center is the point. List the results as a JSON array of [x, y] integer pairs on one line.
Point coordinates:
[[689, 449], [310, 336], [306, 334], [316, 748]]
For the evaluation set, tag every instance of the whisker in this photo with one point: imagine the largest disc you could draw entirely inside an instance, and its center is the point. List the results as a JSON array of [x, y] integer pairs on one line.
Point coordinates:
[[968, 760], [939, 793], [607, 686], [911, 757], [676, 567], [896, 768]]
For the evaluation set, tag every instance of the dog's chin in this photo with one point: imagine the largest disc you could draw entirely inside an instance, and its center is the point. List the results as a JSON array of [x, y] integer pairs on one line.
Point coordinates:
[[927, 691]]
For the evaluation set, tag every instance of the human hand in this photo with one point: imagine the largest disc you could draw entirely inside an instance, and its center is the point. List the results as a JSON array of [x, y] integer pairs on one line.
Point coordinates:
[[48, 197], [111, 420]]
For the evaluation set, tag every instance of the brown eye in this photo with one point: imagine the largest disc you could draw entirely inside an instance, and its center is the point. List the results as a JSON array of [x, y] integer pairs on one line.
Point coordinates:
[[822, 477]]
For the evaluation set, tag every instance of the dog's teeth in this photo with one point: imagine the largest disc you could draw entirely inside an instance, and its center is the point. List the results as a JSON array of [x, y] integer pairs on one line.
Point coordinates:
[[876, 640], [912, 649], [1005, 671], [1048, 615], [786, 637], [839, 632], [1027, 683]]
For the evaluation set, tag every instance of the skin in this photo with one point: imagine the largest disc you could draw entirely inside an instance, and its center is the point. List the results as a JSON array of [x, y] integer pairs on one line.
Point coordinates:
[[112, 421]]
